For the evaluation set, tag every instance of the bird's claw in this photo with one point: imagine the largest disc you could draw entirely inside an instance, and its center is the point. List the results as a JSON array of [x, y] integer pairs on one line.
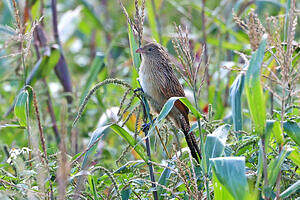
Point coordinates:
[[145, 127], [138, 90]]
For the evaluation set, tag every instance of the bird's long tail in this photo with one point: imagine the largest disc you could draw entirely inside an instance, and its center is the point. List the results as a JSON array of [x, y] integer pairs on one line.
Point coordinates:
[[191, 141]]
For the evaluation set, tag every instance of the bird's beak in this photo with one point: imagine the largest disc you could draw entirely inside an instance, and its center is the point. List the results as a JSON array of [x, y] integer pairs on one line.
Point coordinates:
[[139, 50]]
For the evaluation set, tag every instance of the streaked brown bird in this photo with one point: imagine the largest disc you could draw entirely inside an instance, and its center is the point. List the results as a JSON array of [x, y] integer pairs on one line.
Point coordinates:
[[158, 81]]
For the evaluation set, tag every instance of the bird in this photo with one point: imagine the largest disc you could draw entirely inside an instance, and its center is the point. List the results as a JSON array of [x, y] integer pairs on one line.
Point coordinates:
[[159, 82]]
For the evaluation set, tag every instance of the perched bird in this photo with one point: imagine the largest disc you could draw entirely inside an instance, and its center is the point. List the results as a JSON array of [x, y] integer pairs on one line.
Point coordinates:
[[158, 81]]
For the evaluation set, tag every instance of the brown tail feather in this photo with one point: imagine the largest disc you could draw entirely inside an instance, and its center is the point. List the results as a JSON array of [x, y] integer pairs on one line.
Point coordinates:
[[191, 140]]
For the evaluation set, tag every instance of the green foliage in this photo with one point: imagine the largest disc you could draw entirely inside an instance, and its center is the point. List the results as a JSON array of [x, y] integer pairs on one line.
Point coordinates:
[[245, 98], [254, 90]]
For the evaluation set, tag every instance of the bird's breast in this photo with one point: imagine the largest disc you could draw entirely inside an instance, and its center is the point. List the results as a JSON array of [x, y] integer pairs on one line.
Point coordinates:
[[148, 82]]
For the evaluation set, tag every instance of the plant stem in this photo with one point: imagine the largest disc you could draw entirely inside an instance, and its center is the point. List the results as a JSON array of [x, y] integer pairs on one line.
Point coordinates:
[[266, 182], [146, 117]]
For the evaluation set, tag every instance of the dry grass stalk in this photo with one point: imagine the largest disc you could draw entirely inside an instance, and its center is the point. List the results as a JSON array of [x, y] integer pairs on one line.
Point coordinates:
[[138, 20], [94, 89]]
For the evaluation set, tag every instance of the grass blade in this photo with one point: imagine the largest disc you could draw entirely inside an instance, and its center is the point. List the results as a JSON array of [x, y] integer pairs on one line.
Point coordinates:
[[253, 88]]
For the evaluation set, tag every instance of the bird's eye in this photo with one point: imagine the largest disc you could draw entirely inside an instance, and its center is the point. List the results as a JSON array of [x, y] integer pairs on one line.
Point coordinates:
[[150, 49]]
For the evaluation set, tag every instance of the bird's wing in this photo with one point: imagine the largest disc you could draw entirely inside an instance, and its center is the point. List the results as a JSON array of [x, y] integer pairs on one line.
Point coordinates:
[[170, 87]]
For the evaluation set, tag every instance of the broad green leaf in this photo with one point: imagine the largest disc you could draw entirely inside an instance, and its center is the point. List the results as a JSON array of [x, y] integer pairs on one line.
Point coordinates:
[[220, 191], [236, 91], [215, 144], [292, 189], [253, 88], [164, 179], [152, 21], [21, 107], [293, 130], [96, 68], [43, 67], [168, 107], [230, 171], [188, 104], [125, 193], [163, 113], [130, 140], [275, 166]]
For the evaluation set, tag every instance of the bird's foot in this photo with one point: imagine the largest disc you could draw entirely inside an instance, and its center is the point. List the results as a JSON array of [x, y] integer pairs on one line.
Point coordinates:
[[138, 90], [145, 127]]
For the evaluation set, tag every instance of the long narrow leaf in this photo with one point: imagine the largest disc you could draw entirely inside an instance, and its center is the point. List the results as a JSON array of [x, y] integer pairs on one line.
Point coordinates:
[[236, 105], [254, 90]]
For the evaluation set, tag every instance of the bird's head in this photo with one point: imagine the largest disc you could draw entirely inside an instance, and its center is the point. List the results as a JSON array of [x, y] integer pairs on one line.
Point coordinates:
[[152, 51]]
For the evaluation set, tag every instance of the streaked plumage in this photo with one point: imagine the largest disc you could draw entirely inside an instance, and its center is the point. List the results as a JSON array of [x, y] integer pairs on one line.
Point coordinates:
[[160, 83]]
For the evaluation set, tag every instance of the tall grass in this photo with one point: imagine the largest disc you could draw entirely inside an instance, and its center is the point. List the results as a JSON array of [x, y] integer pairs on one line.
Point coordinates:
[[79, 134]]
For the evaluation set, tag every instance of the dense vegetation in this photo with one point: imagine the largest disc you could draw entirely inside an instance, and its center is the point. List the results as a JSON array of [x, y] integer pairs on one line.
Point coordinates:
[[71, 118]]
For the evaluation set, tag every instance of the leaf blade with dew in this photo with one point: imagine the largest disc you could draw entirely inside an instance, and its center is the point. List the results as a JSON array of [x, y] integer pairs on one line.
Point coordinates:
[[21, 106], [215, 144], [96, 68], [293, 130], [236, 91], [230, 172], [253, 88]]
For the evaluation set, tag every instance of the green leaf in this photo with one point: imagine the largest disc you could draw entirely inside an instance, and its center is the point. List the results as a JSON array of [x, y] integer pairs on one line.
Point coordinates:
[[43, 67], [295, 156], [152, 21], [254, 90], [292, 189], [96, 134], [163, 113], [188, 104], [215, 143], [92, 186], [21, 107], [293, 130], [236, 91], [121, 132], [130, 140], [135, 57], [97, 66], [230, 171], [275, 166], [220, 191], [164, 179], [125, 193]]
